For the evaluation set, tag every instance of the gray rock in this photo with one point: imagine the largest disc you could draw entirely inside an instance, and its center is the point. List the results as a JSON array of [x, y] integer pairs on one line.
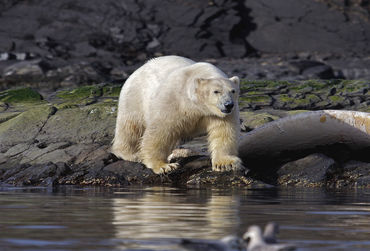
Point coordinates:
[[352, 174], [299, 25], [134, 173], [227, 30], [95, 125], [25, 127], [26, 71], [312, 170], [33, 175]]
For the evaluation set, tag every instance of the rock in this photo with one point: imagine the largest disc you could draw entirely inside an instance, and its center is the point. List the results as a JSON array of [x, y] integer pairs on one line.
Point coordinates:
[[27, 71], [8, 115], [291, 26], [24, 127], [33, 175], [222, 179], [70, 144], [75, 75], [48, 49], [252, 120], [303, 65], [134, 173], [103, 178], [319, 72], [3, 106], [352, 174], [57, 152], [311, 94], [20, 95], [255, 101], [311, 171], [95, 124]]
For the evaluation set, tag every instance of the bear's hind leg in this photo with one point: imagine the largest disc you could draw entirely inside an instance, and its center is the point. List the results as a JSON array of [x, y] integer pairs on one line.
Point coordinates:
[[126, 142]]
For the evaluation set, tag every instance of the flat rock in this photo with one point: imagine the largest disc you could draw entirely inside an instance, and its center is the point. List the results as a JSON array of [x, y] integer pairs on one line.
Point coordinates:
[[24, 127]]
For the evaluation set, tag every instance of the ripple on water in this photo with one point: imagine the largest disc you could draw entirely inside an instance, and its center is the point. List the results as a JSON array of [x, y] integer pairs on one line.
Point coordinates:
[[157, 218]]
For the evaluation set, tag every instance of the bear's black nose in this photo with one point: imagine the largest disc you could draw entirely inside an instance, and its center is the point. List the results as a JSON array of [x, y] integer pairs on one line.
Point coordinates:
[[229, 105]]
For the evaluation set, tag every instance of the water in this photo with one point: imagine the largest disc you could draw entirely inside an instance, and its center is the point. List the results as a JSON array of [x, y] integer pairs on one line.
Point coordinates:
[[156, 218]]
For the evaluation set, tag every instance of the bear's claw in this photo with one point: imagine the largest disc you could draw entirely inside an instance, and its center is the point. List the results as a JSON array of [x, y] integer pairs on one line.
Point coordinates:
[[168, 168], [229, 163]]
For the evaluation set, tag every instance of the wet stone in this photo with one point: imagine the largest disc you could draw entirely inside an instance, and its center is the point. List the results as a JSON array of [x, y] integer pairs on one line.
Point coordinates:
[[312, 170], [352, 174]]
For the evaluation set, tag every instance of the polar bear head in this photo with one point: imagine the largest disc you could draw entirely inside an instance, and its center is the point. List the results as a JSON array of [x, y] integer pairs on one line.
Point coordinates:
[[219, 95]]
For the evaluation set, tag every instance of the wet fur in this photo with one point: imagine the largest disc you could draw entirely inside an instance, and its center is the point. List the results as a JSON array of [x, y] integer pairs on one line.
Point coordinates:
[[168, 99]]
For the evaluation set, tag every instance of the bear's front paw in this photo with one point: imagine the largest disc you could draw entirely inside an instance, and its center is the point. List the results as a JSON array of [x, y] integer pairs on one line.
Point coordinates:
[[227, 163], [167, 168]]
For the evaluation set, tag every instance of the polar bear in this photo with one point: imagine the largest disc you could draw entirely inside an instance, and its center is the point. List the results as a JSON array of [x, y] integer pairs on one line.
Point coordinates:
[[171, 98]]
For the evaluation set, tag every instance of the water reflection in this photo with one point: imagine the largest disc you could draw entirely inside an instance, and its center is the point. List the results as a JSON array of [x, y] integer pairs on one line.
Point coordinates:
[[155, 218], [163, 213]]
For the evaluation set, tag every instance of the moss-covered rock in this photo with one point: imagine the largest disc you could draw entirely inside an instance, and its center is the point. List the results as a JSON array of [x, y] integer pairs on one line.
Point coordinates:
[[252, 120], [255, 101], [7, 115], [250, 86], [81, 93], [86, 95], [93, 123], [25, 127], [21, 95]]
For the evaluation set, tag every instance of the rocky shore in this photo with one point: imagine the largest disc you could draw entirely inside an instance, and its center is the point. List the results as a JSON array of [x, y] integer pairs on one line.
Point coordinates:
[[63, 137], [62, 64]]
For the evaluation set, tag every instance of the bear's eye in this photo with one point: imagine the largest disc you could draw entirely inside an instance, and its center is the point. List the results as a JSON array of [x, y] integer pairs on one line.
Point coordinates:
[[232, 91], [216, 92]]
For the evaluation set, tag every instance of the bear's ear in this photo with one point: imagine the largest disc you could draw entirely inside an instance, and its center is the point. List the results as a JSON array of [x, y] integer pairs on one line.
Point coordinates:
[[199, 87], [235, 80], [201, 81]]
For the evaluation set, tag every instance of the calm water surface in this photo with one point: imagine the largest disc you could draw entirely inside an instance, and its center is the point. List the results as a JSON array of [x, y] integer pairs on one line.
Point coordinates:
[[156, 218]]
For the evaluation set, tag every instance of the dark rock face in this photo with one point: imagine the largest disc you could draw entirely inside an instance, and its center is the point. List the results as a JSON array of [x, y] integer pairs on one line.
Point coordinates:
[[123, 29], [52, 44], [306, 25], [309, 171], [354, 173], [120, 30]]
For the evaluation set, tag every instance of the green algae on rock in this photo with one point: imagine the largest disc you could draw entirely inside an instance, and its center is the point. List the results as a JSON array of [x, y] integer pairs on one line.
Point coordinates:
[[20, 95], [7, 116], [252, 120], [90, 91], [86, 95], [309, 94]]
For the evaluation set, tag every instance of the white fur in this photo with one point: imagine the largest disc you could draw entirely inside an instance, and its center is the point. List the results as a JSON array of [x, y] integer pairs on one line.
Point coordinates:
[[168, 99]]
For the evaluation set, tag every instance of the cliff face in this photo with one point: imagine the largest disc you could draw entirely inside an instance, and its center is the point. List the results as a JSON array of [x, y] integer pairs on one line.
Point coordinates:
[[326, 26], [124, 30], [52, 44]]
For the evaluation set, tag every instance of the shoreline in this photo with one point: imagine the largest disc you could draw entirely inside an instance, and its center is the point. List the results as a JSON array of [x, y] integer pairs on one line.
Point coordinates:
[[65, 137]]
